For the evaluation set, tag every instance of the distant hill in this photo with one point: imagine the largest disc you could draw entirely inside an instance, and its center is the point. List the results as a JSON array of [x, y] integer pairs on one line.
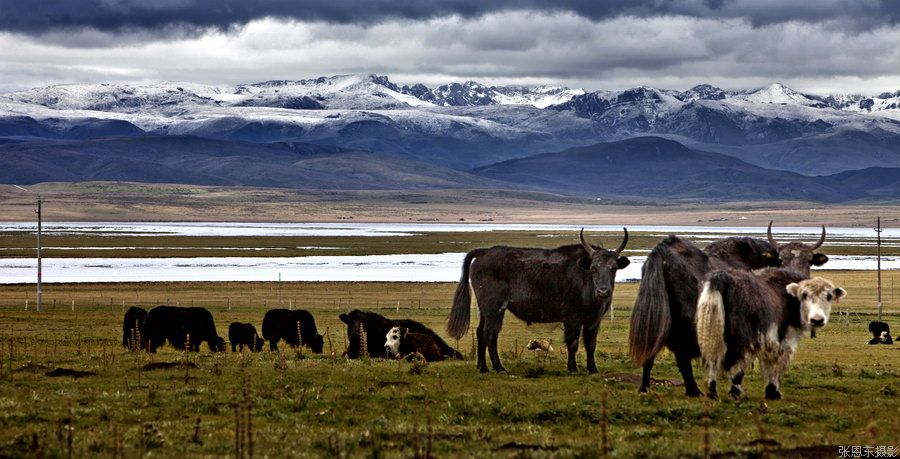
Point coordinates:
[[199, 161], [882, 182], [653, 167]]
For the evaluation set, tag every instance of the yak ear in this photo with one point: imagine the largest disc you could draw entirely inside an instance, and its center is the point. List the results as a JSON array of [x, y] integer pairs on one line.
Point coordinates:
[[622, 262], [345, 318], [793, 289], [839, 294], [584, 263], [819, 259]]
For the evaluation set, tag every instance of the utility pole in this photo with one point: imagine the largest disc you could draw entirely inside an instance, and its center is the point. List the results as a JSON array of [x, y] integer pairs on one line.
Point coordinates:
[[38, 212], [878, 231]]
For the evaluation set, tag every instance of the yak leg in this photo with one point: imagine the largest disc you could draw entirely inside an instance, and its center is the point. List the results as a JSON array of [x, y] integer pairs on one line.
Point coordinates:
[[589, 332], [687, 373], [482, 346], [571, 332], [768, 372], [737, 378], [495, 355], [645, 378]]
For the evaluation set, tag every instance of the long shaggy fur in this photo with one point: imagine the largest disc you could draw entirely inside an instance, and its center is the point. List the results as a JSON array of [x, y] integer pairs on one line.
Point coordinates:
[[711, 325], [458, 323], [651, 317]]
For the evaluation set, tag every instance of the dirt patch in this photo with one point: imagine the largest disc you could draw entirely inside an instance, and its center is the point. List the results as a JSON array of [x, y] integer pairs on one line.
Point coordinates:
[[636, 380], [167, 365], [800, 452], [514, 445], [32, 367], [382, 384], [58, 372]]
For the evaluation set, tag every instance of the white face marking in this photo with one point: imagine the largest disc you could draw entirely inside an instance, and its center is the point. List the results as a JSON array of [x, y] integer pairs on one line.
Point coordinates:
[[392, 345]]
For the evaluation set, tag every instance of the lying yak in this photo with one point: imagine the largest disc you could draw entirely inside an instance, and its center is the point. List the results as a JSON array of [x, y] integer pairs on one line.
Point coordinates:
[[745, 315], [183, 328], [881, 333], [133, 326], [241, 334], [401, 343], [375, 326], [296, 328], [572, 284]]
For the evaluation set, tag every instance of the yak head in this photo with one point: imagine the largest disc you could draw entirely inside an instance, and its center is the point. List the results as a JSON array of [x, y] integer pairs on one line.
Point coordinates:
[[602, 265], [217, 344], [798, 256], [816, 296], [317, 343], [394, 336], [257, 343]]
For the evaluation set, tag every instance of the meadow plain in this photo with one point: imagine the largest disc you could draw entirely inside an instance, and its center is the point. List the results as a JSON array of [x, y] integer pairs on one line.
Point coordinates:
[[840, 391]]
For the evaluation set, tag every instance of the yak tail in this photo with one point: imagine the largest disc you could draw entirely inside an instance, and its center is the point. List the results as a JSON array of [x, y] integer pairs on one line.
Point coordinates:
[[458, 322], [711, 322], [651, 316]]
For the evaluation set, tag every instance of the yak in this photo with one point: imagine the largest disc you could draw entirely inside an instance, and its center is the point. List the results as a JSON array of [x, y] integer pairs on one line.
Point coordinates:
[[375, 326], [183, 328], [664, 310], [296, 328], [572, 284], [401, 342], [241, 334], [743, 315], [133, 326], [881, 333]]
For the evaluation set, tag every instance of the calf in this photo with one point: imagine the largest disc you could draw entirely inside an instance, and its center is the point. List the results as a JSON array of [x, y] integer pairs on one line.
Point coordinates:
[[540, 346], [183, 328], [400, 342], [744, 315], [375, 325], [133, 326], [881, 333], [294, 327], [240, 335]]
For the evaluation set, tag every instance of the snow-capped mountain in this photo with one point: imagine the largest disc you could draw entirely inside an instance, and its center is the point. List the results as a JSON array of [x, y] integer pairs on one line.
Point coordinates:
[[464, 125]]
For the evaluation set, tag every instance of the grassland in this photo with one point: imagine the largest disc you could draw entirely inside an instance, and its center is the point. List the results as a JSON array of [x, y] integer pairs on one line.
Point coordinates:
[[121, 201], [839, 391]]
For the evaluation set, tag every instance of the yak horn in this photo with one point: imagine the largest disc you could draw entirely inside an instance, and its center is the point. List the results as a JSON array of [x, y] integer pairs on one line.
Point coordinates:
[[821, 240], [587, 247], [624, 242], [769, 236]]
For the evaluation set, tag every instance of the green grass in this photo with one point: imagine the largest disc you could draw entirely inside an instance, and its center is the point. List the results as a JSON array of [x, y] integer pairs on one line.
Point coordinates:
[[839, 391]]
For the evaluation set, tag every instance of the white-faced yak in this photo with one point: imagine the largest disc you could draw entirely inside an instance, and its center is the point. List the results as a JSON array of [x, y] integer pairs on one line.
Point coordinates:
[[743, 316], [664, 310], [400, 342], [572, 284], [368, 328]]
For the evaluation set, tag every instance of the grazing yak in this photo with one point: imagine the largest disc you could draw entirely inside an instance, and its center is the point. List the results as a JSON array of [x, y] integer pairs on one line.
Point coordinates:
[[664, 310], [881, 333], [572, 284], [743, 315], [178, 324], [241, 334], [376, 326], [133, 326], [401, 342], [296, 328]]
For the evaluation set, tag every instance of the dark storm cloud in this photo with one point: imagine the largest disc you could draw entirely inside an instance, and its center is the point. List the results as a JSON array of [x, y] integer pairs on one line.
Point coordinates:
[[164, 16]]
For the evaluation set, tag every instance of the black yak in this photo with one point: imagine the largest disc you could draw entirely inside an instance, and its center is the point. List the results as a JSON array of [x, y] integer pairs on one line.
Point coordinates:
[[241, 334], [296, 328], [743, 315], [376, 326], [881, 333], [572, 284], [133, 326], [177, 325], [664, 309], [400, 342]]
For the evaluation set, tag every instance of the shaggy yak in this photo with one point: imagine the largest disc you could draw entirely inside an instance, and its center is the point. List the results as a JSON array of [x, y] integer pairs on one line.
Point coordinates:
[[296, 328], [572, 284], [133, 326], [881, 333], [664, 310], [375, 326], [742, 316], [401, 342], [183, 328], [241, 334]]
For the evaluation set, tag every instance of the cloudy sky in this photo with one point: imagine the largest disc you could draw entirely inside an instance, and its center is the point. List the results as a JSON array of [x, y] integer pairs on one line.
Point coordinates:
[[819, 46]]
